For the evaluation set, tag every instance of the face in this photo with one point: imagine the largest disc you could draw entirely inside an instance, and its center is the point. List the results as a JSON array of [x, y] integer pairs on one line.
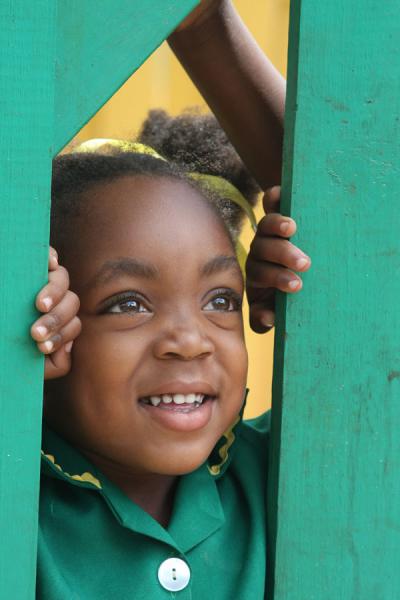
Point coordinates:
[[159, 370]]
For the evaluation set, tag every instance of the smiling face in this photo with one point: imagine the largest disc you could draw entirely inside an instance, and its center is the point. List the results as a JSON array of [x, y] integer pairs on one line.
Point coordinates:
[[159, 370]]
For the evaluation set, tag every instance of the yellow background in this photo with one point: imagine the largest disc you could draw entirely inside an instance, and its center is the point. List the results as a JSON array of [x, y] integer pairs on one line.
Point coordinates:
[[162, 83]]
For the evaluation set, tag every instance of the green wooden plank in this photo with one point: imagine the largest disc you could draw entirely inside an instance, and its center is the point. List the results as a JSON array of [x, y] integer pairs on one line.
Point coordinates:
[[335, 486], [27, 33], [98, 48], [92, 61]]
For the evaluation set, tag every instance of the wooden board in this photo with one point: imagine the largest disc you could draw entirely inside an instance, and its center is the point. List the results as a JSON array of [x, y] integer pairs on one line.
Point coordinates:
[[335, 461], [27, 34], [74, 62], [98, 48]]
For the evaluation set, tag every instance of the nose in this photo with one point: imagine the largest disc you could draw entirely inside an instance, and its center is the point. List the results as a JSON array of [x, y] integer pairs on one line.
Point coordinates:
[[185, 339]]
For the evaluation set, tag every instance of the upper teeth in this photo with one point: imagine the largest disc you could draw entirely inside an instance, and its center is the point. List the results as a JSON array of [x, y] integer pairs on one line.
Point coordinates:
[[176, 399]]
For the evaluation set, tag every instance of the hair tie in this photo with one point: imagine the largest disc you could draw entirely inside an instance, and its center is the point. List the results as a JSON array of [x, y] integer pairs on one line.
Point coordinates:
[[215, 183]]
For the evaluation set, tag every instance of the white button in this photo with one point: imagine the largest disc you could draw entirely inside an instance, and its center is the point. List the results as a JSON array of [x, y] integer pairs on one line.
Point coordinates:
[[174, 574]]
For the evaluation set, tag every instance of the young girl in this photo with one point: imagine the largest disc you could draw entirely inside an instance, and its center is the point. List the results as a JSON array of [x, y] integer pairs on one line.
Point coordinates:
[[152, 485]]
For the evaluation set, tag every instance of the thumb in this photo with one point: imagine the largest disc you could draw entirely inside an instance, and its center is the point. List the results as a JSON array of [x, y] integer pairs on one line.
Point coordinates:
[[58, 363], [262, 318], [271, 199]]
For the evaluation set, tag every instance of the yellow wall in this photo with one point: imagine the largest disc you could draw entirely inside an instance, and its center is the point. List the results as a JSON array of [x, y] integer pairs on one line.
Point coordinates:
[[161, 82]]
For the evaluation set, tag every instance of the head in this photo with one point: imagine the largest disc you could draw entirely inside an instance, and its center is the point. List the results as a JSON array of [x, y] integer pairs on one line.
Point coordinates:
[[154, 265]]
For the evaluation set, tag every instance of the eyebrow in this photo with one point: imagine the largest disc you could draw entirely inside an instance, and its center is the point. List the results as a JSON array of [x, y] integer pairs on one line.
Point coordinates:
[[112, 269], [220, 264]]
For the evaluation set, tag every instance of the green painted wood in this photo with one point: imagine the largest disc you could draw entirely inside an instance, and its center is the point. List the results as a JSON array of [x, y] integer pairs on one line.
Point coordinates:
[[335, 461], [97, 50], [27, 34], [72, 61]]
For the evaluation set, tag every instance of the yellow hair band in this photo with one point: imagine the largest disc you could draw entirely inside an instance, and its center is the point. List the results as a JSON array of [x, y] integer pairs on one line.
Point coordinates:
[[107, 146], [219, 185]]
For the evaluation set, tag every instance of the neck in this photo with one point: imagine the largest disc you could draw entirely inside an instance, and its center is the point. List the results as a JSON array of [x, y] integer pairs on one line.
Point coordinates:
[[154, 493]]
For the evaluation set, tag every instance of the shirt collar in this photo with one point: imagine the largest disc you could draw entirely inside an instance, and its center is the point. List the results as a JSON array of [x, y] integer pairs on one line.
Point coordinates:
[[197, 513], [221, 456], [61, 460]]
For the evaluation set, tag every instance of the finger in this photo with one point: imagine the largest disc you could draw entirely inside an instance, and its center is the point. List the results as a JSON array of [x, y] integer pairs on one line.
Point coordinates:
[[54, 291], [59, 363], [264, 275], [279, 251], [53, 259], [271, 199], [275, 224], [62, 337], [51, 323], [262, 318]]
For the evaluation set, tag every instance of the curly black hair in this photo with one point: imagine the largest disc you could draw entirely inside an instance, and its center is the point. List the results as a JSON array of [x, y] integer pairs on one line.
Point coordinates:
[[190, 142], [197, 143]]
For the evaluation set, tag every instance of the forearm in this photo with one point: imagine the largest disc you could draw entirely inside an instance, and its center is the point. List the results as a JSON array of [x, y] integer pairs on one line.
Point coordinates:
[[241, 86]]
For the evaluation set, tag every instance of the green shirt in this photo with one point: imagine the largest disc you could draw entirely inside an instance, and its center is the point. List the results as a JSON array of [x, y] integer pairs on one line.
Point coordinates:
[[96, 544]]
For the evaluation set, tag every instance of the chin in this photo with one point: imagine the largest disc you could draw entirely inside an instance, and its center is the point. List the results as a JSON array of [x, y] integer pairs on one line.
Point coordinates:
[[181, 466]]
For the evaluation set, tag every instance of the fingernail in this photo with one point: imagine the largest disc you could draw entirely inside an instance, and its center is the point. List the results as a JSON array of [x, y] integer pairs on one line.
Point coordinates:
[[54, 259], [294, 284], [301, 263], [68, 346], [42, 331], [284, 227], [49, 345], [47, 302], [267, 322]]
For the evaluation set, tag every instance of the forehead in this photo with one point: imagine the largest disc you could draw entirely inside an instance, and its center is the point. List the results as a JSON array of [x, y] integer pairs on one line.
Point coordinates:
[[161, 218]]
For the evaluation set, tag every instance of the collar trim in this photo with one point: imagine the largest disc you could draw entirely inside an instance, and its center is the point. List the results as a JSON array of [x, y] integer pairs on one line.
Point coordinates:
[[85, 477], [223, 451], [221, 456]]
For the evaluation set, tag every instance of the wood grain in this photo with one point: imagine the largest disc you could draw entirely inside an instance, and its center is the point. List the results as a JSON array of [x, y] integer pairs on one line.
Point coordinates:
[[99, 48], [72, 56], [27, 34], [335, 461]]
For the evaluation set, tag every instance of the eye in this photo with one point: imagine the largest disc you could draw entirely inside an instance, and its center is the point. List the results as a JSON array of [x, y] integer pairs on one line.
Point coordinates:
[[224, 301], [126, 303]]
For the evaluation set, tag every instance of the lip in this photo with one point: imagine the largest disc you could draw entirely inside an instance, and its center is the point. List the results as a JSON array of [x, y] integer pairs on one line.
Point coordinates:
[[181, 418], [182, 387]]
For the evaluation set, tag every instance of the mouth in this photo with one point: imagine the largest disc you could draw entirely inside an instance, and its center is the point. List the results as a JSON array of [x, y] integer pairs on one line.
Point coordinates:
[[183, 410], [177, 402]]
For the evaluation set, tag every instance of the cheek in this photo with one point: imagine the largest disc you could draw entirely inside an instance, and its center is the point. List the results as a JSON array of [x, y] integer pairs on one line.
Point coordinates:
[[103, 357], [235, 362], [232, 349]]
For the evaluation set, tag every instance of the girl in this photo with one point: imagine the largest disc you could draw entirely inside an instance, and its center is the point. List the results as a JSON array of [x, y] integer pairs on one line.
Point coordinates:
[[152, 485]]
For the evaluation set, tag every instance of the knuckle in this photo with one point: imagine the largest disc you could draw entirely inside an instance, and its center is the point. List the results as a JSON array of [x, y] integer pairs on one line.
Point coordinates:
[[63, 273], [53, 322], [74, 299], [59, 277], [58, 290], [263, 224], [75, 327], [57, 339], [53, 371], [78, 325]]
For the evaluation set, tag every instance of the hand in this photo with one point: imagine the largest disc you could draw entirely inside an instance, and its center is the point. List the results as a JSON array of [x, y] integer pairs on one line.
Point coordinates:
[[55, 331], [271, 263]]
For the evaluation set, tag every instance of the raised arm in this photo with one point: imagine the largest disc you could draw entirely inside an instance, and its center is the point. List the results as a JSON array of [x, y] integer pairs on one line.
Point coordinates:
[[239, 83]]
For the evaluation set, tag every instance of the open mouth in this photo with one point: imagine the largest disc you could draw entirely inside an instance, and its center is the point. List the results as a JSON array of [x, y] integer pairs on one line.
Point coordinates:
[[182, 407], [184, 402]]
